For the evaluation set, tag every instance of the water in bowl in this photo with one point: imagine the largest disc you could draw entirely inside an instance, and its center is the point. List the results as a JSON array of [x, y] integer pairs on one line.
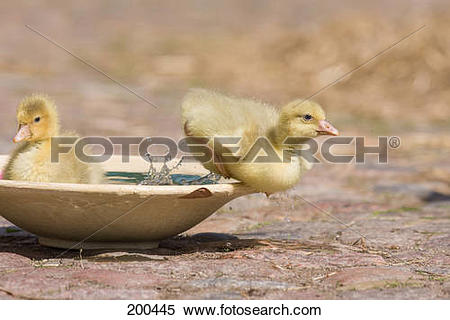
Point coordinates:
[[160, 177], [140, 178]]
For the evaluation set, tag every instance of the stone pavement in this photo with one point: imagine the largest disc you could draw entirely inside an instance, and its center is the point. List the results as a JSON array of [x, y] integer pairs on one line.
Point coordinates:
[[393, 243]]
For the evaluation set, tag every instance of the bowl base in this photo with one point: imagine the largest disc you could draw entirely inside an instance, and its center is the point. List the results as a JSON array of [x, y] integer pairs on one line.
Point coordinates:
[[68, 244]]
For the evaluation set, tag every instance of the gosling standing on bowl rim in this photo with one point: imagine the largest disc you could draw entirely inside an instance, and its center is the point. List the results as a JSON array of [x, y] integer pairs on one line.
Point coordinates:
[[210, 114]]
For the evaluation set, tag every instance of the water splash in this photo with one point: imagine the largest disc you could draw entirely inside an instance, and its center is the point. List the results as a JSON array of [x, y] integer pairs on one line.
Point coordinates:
[[164, 176], [161, 177]]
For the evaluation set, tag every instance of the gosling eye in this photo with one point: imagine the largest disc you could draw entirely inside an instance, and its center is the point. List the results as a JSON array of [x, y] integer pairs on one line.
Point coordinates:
[[307, 117], [37, 119]]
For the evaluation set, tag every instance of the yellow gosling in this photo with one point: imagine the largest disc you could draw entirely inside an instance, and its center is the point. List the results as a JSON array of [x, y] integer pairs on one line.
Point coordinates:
[[210, 114], [38, 122]]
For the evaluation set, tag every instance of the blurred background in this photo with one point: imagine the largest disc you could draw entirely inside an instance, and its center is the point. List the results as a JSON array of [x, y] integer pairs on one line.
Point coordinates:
[[275, 51]]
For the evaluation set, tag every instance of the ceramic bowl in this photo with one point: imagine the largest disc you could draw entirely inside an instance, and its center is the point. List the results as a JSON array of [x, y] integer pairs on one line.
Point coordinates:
[[112, 215]]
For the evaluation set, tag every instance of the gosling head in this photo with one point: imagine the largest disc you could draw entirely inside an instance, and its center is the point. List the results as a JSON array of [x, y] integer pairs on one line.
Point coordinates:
[[303, 118], [37, 119]]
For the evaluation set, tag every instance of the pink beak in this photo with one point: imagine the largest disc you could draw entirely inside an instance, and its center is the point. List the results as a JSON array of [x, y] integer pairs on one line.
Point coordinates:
[[23, 133], [327, 128]]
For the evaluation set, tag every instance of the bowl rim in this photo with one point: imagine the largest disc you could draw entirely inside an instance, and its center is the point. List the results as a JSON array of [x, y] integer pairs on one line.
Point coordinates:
[[122, 189]]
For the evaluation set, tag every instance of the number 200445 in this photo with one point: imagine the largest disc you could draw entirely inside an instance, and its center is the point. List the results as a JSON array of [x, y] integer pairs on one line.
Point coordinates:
[[147, 309]]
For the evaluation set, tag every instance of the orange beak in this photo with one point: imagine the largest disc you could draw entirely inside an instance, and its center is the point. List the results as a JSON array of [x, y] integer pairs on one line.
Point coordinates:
[[326, 127], [22, 134]]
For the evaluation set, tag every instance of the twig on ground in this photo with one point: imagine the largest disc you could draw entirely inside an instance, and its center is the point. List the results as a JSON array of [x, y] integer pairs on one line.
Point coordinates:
[[81, 258]]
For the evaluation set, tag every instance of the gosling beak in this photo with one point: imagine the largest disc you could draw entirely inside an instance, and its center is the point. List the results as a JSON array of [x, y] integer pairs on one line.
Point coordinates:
[[327, 128], [22, 134]]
